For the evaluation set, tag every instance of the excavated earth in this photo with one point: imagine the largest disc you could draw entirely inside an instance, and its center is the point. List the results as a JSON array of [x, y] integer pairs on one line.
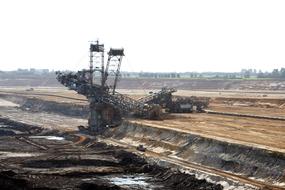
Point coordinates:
[[34, 155], [218, 159], [36, 158]]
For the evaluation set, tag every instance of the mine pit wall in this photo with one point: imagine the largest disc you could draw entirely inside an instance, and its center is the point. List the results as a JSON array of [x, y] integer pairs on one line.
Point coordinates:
[[239, 159], [39, 105], [74, 110]]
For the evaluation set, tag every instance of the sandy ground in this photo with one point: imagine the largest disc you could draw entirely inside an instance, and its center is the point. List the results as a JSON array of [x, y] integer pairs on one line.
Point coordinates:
[[261, 133]]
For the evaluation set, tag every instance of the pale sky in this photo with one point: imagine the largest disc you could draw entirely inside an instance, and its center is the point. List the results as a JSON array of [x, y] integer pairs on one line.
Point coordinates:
[[157, 35]]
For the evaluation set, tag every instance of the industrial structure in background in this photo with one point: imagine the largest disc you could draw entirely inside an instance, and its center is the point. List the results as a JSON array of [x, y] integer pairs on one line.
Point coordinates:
[[107, 106]]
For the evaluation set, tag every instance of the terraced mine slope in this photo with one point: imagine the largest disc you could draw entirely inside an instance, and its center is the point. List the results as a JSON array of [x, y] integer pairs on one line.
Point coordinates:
[[33, 157], [237, 152]]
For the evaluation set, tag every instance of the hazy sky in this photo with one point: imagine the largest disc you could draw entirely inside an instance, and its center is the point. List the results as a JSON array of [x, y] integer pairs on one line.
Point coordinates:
[[158, 35]]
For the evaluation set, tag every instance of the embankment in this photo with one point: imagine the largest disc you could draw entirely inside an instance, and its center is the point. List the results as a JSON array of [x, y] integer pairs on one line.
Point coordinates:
[[39, 105], [246, 161], [243, 160]]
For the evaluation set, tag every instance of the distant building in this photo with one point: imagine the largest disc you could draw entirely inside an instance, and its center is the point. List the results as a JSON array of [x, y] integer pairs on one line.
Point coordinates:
[[22, 70]]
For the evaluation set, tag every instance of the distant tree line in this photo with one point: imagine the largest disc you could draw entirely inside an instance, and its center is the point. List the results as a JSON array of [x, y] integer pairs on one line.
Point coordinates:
[[159, 75], [276, 73], [252, 73], [243, 74]]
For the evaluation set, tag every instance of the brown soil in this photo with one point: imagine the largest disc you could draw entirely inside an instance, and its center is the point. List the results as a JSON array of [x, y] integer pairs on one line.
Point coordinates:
[[248, 131], [257, 132]]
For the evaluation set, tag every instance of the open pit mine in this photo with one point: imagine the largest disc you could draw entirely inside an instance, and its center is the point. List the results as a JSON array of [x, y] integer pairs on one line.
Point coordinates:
[[91, 134]]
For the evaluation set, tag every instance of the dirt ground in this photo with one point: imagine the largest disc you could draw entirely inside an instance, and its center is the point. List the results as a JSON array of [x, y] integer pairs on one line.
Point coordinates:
[[262, 133], [259, 133], [264, 103], [267, 103], [38, 152], [252, 131]]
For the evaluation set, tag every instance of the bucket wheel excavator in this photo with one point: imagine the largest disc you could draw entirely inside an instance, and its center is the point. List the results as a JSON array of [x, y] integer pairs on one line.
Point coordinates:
[[98, 84]]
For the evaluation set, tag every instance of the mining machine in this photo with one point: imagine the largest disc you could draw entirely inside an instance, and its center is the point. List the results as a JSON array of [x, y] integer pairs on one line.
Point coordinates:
[[107, 106], [98, 84]]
